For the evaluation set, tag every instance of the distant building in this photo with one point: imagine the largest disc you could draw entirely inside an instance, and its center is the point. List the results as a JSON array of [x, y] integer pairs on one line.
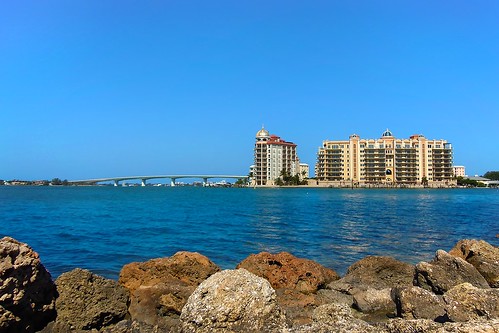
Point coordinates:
[[272, 156], [459, 171], [385, 161], [304, 171]]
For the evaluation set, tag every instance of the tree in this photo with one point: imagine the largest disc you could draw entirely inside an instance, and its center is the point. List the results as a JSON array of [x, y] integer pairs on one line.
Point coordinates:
[[56, 181], [494, 175]]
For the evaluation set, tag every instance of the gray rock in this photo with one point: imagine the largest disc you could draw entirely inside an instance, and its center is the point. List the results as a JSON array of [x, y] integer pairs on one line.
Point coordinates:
[[87, 301], [233, 301], [375, 272], [482, 255], [336, 318], [466, 302], [429, 326], [418, 303], [445, 272], [27, 292], [374, 300]]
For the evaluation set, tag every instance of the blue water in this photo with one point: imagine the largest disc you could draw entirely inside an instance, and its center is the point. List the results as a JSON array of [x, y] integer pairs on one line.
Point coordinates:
[[104, 228]]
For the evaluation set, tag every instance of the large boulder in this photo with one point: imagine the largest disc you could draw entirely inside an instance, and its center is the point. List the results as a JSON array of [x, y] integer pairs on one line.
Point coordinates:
[[233, 301], [466, 302], [445, 272], [284, 270], [160, 287], [418, 303], [27, 292], [87, 301], [482, 255]]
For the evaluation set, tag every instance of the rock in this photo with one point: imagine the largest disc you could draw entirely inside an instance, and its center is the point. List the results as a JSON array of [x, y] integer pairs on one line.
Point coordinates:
[[336, 318], [466, 302], [298, 306], [374, 300], [284, 270], [375, 272], [445, 272], [370, 280], [188, 267], [87, 301], [418, 303], [27, 292], [429, 326], [160, 305], [160, 287], [482, 255], [233, 301]]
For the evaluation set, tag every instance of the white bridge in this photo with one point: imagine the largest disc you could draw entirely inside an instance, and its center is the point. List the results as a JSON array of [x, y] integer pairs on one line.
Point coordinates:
[[144, 179]]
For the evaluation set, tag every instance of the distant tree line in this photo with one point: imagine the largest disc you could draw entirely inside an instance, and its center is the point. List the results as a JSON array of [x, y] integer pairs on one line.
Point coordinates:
[[494, 175], [469, 182]]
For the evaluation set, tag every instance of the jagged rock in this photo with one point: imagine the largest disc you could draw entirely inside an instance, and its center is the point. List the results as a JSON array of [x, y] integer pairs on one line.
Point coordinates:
[[160, 287], [298, 306], [445, 272], [482, 255], [87, 301], [429, 326], [466, 302], [27, 292], [284, 270], [233, 301], [337, 318], [418, 303]]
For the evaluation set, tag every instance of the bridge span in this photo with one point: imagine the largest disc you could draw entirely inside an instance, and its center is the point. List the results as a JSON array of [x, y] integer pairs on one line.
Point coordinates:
[[144, 179]]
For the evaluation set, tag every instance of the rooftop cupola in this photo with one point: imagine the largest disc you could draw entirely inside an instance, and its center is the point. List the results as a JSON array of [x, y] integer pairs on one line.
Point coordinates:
[[262, 135], [387, 133]]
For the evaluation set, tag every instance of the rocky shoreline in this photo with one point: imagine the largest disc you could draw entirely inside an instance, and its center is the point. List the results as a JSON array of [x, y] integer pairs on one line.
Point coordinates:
[[455, 292]]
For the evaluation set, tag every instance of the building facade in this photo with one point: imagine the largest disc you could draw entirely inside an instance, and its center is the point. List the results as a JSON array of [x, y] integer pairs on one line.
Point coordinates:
[[272, 156], [385, 161], [459, 171]]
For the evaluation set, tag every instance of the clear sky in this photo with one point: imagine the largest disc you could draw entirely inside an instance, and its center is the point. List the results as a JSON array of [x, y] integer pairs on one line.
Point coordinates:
[[115, 88]]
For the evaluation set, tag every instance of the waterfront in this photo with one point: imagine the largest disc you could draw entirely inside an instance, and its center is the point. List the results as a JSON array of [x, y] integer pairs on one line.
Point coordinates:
[[103, 228]]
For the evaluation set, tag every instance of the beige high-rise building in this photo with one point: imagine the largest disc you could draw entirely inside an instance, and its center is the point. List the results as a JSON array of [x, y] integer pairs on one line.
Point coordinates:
[[385, 161], [272, 156]]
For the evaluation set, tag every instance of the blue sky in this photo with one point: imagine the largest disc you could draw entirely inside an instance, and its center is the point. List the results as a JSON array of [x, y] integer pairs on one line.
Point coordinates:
[[112, 88]]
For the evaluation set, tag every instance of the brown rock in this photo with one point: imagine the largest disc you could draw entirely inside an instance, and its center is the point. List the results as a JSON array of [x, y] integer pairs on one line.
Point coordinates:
[[233, 301], [27, 292], [188, 267], [284, 270], [374, 300], [466, 302], [445, 272], [87, 301], [429, 326], [418, 303], [482, 255], [160, 287]]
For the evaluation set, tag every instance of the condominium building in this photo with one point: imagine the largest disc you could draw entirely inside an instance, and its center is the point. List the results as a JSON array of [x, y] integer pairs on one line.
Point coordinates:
[[272, 156], [459, 171], [386, 160]]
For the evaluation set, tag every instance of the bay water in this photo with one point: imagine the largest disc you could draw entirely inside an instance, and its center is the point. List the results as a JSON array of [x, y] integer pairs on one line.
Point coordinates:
[[102, 228]]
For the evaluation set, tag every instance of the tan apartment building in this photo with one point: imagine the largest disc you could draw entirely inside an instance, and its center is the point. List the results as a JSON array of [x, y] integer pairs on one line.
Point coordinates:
[[385, 161], [272, 155]]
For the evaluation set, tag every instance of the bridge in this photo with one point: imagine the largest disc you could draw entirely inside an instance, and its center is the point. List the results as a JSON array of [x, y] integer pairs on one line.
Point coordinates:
[[144, 179]]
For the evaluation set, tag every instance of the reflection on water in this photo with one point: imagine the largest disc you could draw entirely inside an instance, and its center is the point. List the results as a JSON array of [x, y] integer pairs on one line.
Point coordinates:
[[104, 228]]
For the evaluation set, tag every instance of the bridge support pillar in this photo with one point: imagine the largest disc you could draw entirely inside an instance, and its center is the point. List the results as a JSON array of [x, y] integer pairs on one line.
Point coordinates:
[[116, 183], [205, 182], [172, 183], [143, 182]]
